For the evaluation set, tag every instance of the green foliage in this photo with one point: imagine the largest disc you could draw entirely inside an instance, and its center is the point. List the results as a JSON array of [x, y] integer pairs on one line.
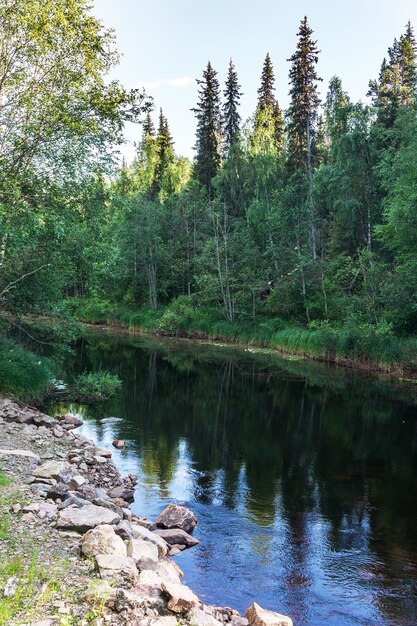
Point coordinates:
[[94, 387], [22, 373]]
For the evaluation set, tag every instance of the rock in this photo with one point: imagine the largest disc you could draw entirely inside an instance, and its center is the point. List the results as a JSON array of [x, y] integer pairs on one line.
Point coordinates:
[[199, 617], [108, 504], [181, 598], [165, 568], [88, 517], [60, 470], [175, 516], [110, 564], [140, 597], [44, 420], [223, 614], [75, 482], [24, 453], [238, 620], [70, 421], [107, 454], [11, 587], [257, 616], [102, 540], [138, 532], [58, 431], [176, 536], [31, 508], [80, 502], [28, 518], [140, 549], [124, 530], [16, 508], [47, 511], [118, 443], [99, 459], [175, 550], [123, 492], [86, 491], [150, 578], [59, 491]]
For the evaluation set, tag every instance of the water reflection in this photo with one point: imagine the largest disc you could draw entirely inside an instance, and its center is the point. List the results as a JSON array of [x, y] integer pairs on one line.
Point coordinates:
[[303, 477]]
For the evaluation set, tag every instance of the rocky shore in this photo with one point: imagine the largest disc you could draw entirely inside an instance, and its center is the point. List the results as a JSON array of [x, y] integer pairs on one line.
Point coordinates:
[[72, 551]]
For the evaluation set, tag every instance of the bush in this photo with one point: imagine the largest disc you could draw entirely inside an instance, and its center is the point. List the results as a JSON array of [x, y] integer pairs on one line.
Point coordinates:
[[94, 387], [23, 374]]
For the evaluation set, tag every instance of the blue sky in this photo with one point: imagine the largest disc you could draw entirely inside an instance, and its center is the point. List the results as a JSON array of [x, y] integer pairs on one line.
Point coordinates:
[[165, 46]]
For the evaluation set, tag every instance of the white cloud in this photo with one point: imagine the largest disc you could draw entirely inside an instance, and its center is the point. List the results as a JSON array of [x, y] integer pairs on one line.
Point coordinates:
[[181, 82]]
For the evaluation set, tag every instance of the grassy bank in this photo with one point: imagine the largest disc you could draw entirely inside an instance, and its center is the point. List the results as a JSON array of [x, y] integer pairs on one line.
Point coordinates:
[[358, 345], [23, 374]]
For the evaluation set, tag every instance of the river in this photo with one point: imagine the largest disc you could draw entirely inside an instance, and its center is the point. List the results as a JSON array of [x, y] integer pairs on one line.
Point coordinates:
[[303, 477]]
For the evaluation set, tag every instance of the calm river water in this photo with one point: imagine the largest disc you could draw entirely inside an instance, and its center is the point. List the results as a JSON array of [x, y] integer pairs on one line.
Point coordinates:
[[303, 478]]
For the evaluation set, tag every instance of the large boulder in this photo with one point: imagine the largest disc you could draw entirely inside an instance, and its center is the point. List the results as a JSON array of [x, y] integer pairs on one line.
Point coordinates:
[[139, 532], [140, 549], [257, 616], [85, 518], [176, 536], [110, 565], [175, 516], [199, 617], [180, 597], [59, 470], [102, 540]]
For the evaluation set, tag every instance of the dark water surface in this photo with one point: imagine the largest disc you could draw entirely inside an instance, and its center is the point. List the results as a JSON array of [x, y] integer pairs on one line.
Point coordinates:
[[303, 478]]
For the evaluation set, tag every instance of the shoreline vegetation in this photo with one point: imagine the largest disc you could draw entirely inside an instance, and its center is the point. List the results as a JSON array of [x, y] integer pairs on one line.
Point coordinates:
[[368, 347]]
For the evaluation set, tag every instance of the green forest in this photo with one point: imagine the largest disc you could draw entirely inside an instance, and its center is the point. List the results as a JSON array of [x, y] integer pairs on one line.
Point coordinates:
[[295, 229]]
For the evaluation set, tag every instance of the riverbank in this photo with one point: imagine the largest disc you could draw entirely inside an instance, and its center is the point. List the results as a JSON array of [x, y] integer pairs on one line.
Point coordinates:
[[72, 552], [364, 347]]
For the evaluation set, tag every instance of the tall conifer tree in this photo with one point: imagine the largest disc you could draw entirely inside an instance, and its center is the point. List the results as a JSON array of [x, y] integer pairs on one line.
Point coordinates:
[[397, 82], [302, 112], [268, 116], [231, 117], [208, 135], [165, 152]]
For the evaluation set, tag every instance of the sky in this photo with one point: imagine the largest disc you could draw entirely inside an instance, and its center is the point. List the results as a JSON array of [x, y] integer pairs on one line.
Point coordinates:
[[165, 46]]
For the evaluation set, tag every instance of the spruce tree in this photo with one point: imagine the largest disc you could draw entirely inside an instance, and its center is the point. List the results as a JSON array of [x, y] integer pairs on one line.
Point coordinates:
[[208, 134], [269, 122], [165, 153], [397, 82], [231, 117], [266, 92], [148, 126], [302, 112]]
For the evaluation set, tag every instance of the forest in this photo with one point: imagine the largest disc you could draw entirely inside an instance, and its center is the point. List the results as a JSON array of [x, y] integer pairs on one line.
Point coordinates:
[[293, 229]]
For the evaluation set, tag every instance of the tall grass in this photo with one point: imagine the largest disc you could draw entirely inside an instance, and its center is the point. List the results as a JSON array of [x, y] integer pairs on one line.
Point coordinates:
[[22, 373]]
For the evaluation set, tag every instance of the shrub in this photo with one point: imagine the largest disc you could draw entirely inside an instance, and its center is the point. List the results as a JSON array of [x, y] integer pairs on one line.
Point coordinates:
[[94, 387], [23, 374]]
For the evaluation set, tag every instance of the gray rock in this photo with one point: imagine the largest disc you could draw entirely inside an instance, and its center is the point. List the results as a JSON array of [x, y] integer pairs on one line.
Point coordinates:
[[11, 587], [181, 598], [123, 492], [108, 504], [60, 470], [198, 617], [175, 516], [102, 540], [75, 482], [80, 502], [257, 616], [176, 536], [44, 420], [138, 532], [110, 564], [140, 549], [88, 517]]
